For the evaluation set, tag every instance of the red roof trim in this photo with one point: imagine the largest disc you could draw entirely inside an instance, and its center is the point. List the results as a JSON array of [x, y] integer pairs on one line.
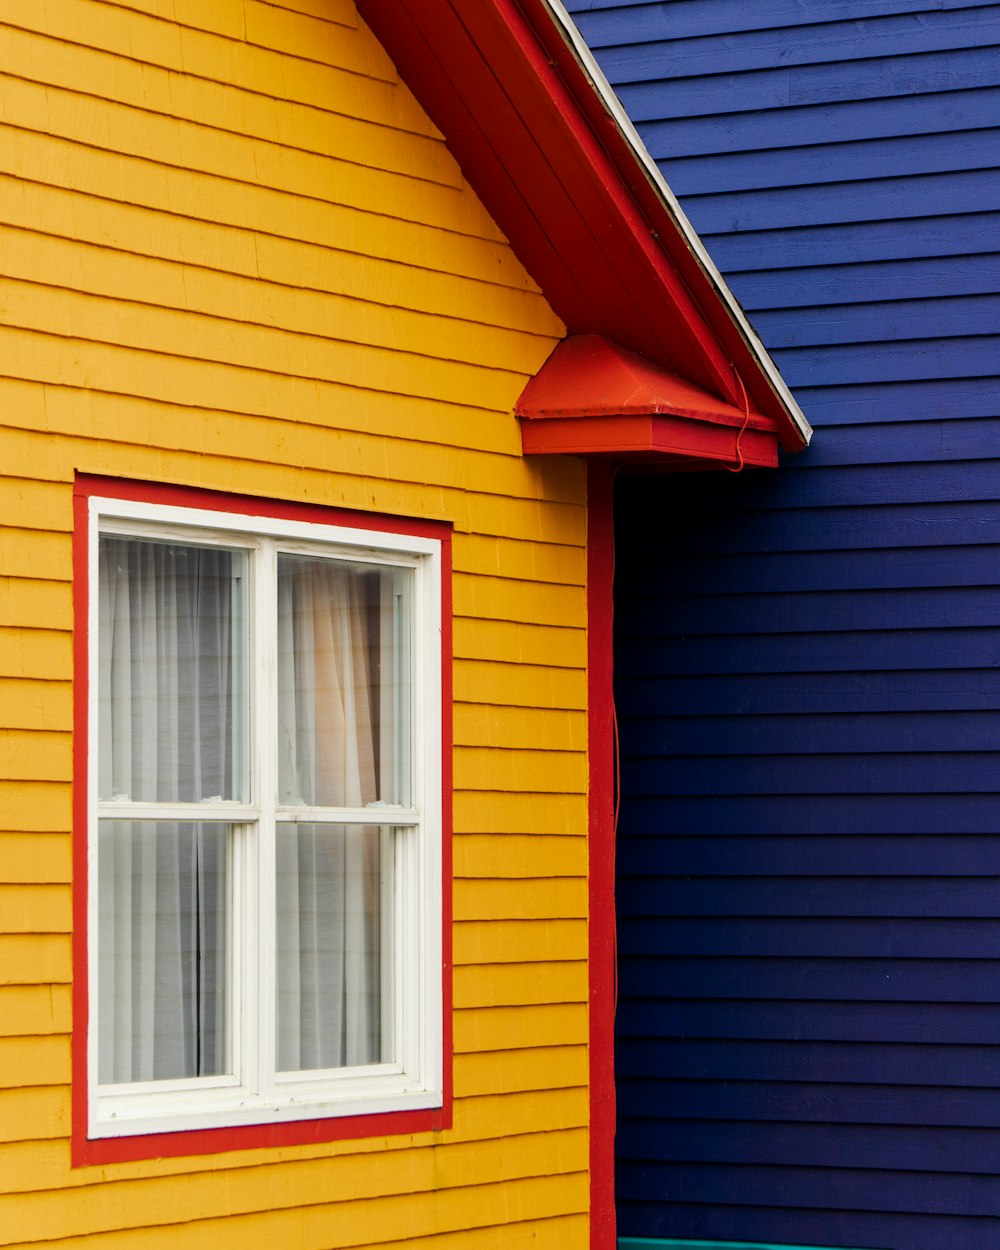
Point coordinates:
[[551, 163]]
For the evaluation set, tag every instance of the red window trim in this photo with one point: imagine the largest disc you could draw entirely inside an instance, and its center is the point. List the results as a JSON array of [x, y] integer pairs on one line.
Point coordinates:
[[86, 1151]]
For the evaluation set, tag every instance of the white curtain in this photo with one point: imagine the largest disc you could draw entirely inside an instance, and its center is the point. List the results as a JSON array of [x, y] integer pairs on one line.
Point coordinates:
[[328, 877], [165, 734], [169, 716]]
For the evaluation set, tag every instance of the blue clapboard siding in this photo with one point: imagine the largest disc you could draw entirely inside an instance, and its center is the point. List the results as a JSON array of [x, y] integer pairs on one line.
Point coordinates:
[[808, 669]]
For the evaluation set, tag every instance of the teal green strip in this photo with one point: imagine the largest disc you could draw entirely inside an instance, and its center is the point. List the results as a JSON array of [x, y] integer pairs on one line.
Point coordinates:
[[668, 1243]]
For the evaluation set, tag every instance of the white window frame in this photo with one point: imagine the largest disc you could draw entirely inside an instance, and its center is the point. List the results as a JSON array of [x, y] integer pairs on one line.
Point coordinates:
[[254, 1094]]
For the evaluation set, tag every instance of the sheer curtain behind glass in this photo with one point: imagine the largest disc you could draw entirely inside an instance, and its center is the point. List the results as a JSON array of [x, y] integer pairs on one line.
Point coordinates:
[[331, 662], [168, 619]]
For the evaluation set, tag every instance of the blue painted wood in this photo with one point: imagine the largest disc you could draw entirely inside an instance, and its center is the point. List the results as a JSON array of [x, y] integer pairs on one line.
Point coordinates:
[[809, 662], [891, 35], [607, 22], [772, 129]]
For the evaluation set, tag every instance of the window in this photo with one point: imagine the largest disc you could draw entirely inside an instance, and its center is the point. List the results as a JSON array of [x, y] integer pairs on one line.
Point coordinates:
[[264, 823]]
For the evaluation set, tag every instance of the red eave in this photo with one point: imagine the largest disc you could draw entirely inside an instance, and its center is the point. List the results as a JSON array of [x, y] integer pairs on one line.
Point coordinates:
[[592, 397], [554, 168]]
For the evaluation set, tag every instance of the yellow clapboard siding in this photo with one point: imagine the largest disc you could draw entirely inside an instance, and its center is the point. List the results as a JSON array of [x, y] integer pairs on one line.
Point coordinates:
[[504, 557], [326, 1225], [519, 1028], [524, 855], [24, 601], [508, 985], [39, 858], [45, 653], [26, 503], [35, 755], [275, 306], [28, 1061], [553, 1234], [33, 959], [519, 813], [26, 1011], [515, 1071], [409, 1172], [34, 553], [544, 603], [243, 260], [198, 384], [34, 1113], [476, 725], [519, 941], [144, 86], [281, 481], [34, 806], [239, 159], [35, 909], [217, 52], [520, 642], [483, 768], [224, 237], [525, 899], [170, 332], [513, 685]]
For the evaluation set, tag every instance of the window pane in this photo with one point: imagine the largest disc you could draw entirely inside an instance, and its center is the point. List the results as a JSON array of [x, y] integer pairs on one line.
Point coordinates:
[[162, 949], [170, 671], [343, 683], [329, 939]]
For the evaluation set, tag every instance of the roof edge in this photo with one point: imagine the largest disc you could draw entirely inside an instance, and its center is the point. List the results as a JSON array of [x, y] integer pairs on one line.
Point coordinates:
[[648, 168]]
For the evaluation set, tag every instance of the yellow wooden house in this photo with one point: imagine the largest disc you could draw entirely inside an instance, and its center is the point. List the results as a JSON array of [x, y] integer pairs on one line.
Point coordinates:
[[325, 327]]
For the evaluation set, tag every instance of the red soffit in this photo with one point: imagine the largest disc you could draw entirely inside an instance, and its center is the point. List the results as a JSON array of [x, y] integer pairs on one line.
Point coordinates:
[[592, 397]]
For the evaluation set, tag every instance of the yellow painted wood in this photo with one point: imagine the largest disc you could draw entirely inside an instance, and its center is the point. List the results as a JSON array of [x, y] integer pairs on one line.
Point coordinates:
[[519, 941], [475, 725], [537, 1068], [35, 858], [535, 899], [487, 812], [242, 259], [27, 755], [30, 1011], [483, 768], [505, 985], [518, 855], [34, 806], [26, 601], [26, 1061], [321, 1224], [33, 959], [520, 1028], [34, 908], [44, 653], [521, 642]]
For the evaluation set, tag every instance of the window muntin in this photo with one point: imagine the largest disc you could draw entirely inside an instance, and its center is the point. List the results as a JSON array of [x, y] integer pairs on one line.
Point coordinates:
[[286, 666]]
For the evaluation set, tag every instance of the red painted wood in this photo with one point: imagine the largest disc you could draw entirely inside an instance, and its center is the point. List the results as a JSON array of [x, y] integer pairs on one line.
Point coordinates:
[[84, 1151], [499, 81], [652, 439], [602, 953]]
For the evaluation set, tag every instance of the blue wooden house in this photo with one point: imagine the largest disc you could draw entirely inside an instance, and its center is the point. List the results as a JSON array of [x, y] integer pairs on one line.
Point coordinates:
[[808, 661]]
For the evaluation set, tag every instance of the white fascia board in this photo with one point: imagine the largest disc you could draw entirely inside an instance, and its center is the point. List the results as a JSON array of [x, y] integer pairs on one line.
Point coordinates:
[[649, 167]]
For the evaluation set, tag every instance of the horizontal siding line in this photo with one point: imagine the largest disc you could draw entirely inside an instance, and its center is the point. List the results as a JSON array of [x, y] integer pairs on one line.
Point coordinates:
[[423, 216], [139, 103], [236, 278], [734, 18], [176, 21], [496, 248]]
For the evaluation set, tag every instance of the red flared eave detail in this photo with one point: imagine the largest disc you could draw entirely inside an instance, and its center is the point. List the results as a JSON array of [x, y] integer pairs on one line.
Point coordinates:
[[593, 397]]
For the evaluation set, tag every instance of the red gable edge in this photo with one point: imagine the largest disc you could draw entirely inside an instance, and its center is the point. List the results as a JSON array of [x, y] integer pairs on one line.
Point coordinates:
[[529, 122]]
